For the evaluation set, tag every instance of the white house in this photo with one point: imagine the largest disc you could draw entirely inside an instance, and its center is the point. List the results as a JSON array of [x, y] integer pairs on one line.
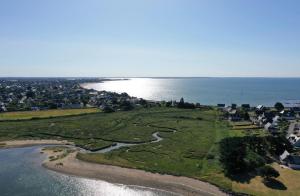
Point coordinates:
[[294, 140], [260, 107]]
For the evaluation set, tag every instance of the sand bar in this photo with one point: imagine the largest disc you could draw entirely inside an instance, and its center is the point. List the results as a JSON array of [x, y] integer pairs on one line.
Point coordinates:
[[113, 174]]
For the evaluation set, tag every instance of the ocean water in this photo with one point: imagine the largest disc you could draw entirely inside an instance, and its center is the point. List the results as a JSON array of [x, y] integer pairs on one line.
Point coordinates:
[[21, 174], [209, 91]]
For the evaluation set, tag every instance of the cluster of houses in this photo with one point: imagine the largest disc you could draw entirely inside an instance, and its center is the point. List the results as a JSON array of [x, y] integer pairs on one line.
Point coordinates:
[[235, 113], [41, 94], [269, 119], [261, 116], [292, 160]]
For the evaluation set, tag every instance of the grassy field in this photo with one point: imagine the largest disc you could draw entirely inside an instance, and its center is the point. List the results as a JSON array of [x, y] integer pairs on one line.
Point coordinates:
[[191, 151], [288, 184], [45, 113]]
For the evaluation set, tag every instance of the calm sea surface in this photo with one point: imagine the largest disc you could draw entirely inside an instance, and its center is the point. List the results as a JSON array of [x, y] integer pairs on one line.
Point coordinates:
[[209, 91], [21, 174]]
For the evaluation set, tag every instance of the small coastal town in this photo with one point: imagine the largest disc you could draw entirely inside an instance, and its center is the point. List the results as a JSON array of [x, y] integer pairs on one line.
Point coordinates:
[[25, 94]]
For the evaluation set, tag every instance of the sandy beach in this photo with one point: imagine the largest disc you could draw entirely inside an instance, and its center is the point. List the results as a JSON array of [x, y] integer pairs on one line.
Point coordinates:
[[180, 185], [24, 143], [113, 174]]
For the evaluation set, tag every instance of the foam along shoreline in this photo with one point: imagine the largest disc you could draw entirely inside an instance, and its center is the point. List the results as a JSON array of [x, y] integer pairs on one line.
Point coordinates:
[[132, 177], [26, 143]]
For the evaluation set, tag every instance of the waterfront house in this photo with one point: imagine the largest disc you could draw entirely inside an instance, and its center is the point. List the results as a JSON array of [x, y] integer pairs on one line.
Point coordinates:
[[270, 127], [276, 120], [2, 109], [294, 140], [260, 108], [259, 120], [234, 115]]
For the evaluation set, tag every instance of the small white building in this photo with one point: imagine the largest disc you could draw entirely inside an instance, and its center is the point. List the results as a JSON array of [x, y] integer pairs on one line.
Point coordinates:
[[283, 157], [260, 107], [270, 127]]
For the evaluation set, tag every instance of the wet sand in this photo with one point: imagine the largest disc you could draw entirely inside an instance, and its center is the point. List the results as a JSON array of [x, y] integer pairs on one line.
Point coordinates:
[[181, 185]]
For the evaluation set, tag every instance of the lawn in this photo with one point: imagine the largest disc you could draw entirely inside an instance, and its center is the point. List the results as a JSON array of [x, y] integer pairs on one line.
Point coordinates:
[[288, 184], [45, 113]]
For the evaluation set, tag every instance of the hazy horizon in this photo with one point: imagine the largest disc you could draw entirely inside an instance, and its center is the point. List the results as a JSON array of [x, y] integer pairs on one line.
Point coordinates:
[[150, 38], [150, 77]]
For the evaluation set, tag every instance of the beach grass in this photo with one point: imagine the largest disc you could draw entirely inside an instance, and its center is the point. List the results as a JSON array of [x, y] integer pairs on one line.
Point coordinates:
[[192, 151], [25, 115]]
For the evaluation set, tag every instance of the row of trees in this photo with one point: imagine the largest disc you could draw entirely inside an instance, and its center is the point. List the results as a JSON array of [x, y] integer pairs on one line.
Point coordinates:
[[182, 104]]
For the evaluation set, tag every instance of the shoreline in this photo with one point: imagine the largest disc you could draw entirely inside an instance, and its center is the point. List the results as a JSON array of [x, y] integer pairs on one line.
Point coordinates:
[[130, 177], [70, 165]]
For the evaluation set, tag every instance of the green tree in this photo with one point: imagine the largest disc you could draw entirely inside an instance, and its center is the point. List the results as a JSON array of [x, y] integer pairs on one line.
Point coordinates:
[[181, 103], [279, 106]]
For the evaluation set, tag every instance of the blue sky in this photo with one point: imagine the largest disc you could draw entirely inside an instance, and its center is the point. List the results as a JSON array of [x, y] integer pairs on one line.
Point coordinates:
[[150, 38]]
